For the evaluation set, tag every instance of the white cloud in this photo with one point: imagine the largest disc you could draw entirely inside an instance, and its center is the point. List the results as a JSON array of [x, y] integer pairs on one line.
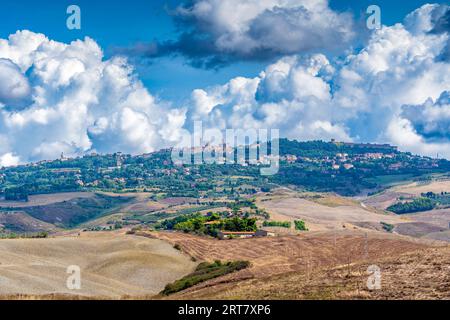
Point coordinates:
[[74, 101], [431, 119], [15, 87], [292, 95], [403, 134], [361, 97], [8, 159], [259, 29]]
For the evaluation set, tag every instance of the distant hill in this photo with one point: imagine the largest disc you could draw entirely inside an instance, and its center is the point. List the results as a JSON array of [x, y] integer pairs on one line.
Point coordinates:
[[344, 168]]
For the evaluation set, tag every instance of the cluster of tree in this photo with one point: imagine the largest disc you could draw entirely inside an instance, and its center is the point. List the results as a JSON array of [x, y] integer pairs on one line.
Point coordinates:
[[209, 224], [199, 225], [205, 271], [283, 224], [320, 149], [300, 225], [169, 224], [432, 195], [16, 194], [39, 235], [239, 204], [417, 205], [387, 226], [441, 199]]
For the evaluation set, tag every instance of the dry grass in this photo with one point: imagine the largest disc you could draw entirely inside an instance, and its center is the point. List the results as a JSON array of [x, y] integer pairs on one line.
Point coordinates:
[[334, 201], [45, 199], [280, 255], [320, 217], [112, 265], [418, 188], [422, 274]]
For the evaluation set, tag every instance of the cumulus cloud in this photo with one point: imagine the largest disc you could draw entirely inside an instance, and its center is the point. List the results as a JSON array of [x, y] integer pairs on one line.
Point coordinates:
[[8, 159], [431, 18], [15, 88], [292, 95], [58, 97], [361, 97], [216, 32], [431, 120]]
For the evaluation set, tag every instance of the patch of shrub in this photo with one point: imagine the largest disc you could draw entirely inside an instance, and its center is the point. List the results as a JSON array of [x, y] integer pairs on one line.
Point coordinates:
[[283, 224], [417, 205], [300, 225], [205, 271], [387, 226]]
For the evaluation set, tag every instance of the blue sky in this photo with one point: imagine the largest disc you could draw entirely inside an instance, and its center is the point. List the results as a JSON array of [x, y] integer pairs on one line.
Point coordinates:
[[123, 23], [119, 24]]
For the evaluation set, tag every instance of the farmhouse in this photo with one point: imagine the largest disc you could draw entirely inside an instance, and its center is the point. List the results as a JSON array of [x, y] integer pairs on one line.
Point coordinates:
[[264, 233], [244, 234], [240, 234]]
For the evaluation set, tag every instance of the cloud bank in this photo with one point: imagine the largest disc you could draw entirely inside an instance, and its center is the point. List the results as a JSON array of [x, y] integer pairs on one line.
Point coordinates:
[[57, 97], [217, 32], [364, 97]]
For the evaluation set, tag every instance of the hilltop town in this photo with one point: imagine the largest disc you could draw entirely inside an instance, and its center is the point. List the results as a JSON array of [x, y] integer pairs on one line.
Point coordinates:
[[344, 168]]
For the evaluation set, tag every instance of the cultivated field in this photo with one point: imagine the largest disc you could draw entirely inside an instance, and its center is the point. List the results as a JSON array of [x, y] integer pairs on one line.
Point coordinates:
[[432, 224], [390, 196], [45, 199], [328, 261], [18, 221], [320, 217], [421, 274], [279, 255], [418, 188], [112, 265]]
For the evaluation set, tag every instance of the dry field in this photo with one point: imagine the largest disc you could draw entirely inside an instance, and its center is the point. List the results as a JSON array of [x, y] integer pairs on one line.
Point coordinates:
[[45, 199], [421, 274], [112, 265], [24, 223], [280, 255], [418, 188], [385, 199], [432, 224], [320, 217], [389, 197]]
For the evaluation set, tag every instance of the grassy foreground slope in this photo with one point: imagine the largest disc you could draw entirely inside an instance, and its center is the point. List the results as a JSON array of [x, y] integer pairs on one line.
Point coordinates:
[[421, 274], [112, 265]]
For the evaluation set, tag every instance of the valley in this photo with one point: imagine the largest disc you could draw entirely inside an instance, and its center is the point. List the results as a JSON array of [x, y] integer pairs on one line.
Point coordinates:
[[312, 239]]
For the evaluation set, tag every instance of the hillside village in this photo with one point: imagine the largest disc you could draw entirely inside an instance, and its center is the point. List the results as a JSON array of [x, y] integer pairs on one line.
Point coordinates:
[[343, 168]]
